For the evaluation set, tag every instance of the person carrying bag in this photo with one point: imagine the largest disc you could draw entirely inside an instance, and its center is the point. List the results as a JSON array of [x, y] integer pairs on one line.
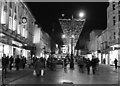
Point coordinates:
[[39, 67]]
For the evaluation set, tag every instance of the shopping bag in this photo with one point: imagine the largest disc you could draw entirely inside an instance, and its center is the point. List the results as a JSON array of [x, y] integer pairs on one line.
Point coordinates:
[[34, 73], [42, 72]]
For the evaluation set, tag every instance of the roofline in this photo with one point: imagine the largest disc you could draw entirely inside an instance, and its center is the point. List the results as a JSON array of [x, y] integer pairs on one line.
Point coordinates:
[[26, 6]]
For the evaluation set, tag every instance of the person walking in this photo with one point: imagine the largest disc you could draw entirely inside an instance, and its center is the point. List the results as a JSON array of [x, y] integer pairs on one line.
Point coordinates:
[[11, 62], [23, 60], [17, 62], [4, 64], [88, 65], [93, 64], [65, 64], [38, 66], [115, 62]]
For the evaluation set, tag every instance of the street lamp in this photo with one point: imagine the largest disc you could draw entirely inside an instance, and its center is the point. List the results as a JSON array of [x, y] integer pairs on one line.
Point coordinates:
[[63, 36], [81, 14]]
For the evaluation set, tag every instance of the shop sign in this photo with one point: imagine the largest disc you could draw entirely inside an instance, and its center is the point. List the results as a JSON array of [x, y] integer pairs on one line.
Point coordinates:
[[16, 43]]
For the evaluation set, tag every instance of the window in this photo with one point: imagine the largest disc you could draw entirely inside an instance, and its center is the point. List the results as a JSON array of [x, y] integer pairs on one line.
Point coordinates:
[[10, 17], [113, 20], [15, 19], [18, 29], [119, 15], [113, 5], [4, 13], [114, 35]]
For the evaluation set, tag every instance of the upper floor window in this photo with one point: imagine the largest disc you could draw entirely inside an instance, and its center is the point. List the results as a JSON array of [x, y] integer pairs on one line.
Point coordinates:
[[119, 15], [4, 13], [113, 5], [114, 35], [113, 20]]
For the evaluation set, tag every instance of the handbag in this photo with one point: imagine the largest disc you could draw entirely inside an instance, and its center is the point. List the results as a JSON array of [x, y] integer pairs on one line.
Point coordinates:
[[42, 72], [34, 73]]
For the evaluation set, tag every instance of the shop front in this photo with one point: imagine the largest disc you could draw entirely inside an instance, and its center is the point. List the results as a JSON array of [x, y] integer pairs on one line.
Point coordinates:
[[115, 53]]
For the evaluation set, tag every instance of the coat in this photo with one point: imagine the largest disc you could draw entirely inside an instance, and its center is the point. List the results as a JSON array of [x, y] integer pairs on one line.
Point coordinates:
[[38, 66]]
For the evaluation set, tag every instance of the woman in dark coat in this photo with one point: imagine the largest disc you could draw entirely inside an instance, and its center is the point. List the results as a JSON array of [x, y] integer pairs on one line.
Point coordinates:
[[39, 65]]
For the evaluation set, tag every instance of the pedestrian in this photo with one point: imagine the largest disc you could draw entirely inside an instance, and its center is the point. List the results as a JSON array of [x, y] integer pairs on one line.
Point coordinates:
[[93, 64], [88, 65], [81, 64], [23, 60], [65, 64], [11, 62], [17, 62], [4, 64], [72, 62], [115, 62], [38, 66]]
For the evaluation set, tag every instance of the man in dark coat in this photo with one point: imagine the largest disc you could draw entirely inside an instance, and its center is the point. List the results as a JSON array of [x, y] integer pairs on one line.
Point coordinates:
[[11, 62], [115, 62], [17, 62], [88, 64], [4, 63], [93, 64]]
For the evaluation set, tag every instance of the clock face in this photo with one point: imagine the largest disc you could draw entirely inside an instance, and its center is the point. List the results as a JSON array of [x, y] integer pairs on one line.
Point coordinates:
[[24, 20]]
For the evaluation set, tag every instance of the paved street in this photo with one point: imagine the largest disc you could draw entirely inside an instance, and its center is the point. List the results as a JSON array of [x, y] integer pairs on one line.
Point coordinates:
[[105, 75]]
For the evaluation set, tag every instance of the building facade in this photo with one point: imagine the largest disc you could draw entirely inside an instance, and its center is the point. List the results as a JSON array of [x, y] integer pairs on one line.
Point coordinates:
[[42, 42], [108, 42], [113, 25], [16, 29]]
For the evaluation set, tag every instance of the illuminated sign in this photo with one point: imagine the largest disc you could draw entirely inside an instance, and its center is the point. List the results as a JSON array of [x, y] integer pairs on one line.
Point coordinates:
[[16, 43]]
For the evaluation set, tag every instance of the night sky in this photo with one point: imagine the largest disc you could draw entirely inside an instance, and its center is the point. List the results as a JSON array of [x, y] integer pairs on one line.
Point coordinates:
[[48, 13]]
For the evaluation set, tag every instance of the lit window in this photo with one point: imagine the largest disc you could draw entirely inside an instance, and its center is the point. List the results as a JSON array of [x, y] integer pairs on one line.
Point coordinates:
[[14, 22], [18, 29], [4, 14]]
